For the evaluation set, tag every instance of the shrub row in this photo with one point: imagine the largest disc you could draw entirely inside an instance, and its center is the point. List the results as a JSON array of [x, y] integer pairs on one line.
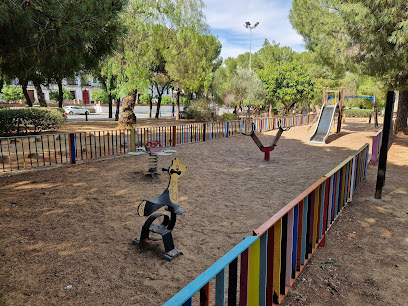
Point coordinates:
[[360, 113], [30, 119]]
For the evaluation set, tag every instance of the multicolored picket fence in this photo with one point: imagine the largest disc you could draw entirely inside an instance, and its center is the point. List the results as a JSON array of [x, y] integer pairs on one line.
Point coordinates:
[[26, 152], [271, 260]]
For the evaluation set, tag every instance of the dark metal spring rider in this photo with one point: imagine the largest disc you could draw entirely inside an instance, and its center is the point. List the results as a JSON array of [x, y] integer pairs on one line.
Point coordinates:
[[168, 198], [274, 143]]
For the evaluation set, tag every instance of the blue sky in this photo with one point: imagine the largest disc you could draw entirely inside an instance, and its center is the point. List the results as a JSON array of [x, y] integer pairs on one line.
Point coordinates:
[[227, 17]]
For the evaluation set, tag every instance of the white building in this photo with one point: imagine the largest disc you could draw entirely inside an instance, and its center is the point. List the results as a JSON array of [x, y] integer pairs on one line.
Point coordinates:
[[81, 89]]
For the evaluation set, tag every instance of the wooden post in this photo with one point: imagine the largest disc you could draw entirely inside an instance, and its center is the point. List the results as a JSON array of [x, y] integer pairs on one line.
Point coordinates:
[[132, 140], [382, 164], [174, 135]]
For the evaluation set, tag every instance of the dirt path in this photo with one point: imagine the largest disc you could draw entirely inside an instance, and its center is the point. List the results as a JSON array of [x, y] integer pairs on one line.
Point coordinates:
[[365, 260], [66, 233]]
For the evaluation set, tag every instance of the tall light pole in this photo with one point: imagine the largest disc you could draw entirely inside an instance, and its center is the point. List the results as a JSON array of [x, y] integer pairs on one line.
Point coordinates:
[[248, 26]]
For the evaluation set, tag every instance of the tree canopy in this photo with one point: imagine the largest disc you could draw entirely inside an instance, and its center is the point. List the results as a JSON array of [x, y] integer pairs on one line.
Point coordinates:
[[369, 38], [45, 41]]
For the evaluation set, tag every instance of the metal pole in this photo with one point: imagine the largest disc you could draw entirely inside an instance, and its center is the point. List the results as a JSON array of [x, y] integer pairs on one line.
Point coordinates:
[[250, 52]]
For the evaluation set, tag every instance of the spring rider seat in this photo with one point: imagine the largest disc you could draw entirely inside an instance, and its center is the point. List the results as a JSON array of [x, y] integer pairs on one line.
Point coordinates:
[[168, 199]]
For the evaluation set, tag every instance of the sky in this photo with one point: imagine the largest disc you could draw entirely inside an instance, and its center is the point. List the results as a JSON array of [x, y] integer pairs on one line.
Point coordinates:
[[226, 19]]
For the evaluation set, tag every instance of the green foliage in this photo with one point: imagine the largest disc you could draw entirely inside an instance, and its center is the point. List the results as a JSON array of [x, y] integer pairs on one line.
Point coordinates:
[[145, 99], [360, 113], [11, 93], [50, 40], [246, 84], [166, 100], [348, 35], [66, 94], [199, 110], [100, 95], [30, 119], [288, 83], [229, 117]]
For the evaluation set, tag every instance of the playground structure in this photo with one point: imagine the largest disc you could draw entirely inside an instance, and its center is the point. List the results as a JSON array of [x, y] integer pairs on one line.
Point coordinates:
[[271, 147], [154, 149], [328, 111], [168, 198]]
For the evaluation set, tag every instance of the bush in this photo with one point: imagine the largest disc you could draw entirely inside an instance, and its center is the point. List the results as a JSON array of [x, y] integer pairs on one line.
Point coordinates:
[[30, 119], [12, 93], [166, 100], [360, 113], [145, 99], [101, 96], [229, 117], [66, 94], [200, 111]]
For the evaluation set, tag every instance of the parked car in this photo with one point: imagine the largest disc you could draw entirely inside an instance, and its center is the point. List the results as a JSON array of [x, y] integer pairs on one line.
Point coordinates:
[[71, 110]]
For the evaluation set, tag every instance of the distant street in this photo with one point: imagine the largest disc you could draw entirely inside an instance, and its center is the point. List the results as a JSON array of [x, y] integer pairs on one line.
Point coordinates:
[[140, 112]]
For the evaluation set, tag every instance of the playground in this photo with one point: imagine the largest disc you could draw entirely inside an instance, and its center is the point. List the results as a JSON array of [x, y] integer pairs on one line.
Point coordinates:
[[66, 233]]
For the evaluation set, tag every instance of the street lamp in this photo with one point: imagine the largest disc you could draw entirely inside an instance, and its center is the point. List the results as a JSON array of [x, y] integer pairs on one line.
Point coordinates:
[[248, 26]]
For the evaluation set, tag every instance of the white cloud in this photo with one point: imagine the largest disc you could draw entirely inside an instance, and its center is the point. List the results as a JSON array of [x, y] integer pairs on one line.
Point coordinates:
[[226, 19]]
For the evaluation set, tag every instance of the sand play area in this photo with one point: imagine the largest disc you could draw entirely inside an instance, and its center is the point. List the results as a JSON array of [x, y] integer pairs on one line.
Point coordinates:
[[66, 233]]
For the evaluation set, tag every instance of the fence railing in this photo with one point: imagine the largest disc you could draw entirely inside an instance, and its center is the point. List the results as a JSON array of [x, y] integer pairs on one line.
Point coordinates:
[[25, 152], [282, 246]]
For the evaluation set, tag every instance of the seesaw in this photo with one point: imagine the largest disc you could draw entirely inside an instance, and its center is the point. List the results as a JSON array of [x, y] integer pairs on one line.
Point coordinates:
[[267, 150]]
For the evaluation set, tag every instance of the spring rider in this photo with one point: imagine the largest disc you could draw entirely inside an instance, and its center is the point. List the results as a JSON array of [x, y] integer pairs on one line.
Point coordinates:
[[168, 199], [274, 143]]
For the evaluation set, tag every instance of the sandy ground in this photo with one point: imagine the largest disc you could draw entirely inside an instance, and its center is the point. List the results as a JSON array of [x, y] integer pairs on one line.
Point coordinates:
[[365, 260], [66, 233]]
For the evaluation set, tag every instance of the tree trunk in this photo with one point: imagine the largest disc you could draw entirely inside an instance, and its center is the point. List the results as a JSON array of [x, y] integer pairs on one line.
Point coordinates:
[[402, 113], [128, 118], [159, 99], [40, 94], [172, 102], [150, 106], [110, 105], [1, 84], [270, 109], [178, 106], [117, 109], [25, 92], [60, 94]]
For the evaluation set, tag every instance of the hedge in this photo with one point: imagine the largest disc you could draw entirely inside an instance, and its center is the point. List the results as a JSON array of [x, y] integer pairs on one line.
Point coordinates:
[[30, 119], [360, 113]]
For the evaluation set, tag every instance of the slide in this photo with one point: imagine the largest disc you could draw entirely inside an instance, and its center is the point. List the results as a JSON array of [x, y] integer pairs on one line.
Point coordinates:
[[324, 123]]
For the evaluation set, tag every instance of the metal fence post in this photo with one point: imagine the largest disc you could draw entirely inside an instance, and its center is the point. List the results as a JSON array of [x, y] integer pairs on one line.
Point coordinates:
[[72, 149]]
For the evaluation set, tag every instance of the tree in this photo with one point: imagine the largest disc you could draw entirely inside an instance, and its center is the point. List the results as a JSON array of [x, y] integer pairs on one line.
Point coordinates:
[[245, 84], [191, 61], [56, 39], [369, 38], [288, 83]]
